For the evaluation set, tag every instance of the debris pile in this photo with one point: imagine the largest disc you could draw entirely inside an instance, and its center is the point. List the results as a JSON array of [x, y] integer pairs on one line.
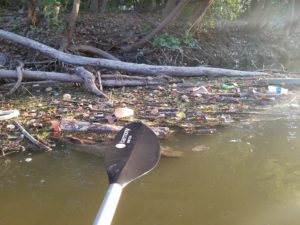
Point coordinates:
[[193, 106]]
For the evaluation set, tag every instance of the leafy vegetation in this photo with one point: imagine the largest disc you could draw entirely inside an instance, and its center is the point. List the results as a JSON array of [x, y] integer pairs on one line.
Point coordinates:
[[168, 41]]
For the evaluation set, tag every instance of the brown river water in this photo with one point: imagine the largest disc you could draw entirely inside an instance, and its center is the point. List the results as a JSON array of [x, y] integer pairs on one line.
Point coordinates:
[[247, 174]]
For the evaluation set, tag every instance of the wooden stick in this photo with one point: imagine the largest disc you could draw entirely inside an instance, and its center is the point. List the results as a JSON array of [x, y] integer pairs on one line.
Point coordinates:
[[89, 81], [18, 83], [100, 81], [31, 138], [107, 80], [82, 126], [95, 51]]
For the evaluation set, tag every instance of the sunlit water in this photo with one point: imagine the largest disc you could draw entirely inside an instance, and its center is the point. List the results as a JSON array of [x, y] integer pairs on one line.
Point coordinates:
[[249, 176]]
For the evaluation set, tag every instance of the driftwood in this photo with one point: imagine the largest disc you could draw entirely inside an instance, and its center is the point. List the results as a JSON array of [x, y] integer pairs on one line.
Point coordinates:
[[18, 83], [125, 66], [40, 84], [279, 81], [107, 80], [32, 139], [89, 81], [82, 126], [94, 51]]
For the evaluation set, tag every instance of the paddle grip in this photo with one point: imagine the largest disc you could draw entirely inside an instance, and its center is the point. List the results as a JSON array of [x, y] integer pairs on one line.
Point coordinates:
[[109, 205]]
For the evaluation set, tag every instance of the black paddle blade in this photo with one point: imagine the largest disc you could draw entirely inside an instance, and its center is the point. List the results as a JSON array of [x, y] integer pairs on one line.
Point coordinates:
[[134, 152]]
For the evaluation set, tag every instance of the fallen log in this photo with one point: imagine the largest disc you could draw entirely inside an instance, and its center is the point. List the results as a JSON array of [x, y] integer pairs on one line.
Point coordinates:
[[94, 51], [279, 81], [126, 66], [72, 125], [108, 80]]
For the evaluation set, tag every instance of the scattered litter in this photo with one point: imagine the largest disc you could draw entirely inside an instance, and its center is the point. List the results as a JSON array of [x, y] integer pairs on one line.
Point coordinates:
[[294, 106], [227, 87], [11, 127], [227, 119], [67, 97], [235, 141], [180, 115], [9, 114], [28, 159], [277, 90], [123, 112], [200, 148], [48, 89], [184, 98], [200, 90]]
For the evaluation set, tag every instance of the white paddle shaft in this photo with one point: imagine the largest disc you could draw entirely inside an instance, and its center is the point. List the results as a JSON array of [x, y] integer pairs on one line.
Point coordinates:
[[109, 205]]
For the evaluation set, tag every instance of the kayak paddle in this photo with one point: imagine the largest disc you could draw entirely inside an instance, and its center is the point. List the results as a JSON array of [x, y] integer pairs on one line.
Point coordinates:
[[134, 152]]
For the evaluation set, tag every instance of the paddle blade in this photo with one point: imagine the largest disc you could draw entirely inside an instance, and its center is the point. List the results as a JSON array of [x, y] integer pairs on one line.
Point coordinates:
[[134, 152]]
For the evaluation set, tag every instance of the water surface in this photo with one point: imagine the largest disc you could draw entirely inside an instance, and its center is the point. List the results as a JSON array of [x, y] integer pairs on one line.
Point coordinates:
[[250, 175]]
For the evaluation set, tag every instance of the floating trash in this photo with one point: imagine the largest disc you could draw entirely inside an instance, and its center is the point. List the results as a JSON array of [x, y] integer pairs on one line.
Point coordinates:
[[277, 90], [200, 148], [67, 97]]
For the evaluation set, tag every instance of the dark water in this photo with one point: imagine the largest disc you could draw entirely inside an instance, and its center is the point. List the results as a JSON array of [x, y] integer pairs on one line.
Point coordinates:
[[249, 176]]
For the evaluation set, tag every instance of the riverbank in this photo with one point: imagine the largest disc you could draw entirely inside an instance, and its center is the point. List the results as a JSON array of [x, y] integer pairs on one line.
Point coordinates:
[[194, 105]]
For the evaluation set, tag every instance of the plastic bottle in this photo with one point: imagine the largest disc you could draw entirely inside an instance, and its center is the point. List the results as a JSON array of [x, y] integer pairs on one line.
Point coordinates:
[[227, 87], [277, 90]]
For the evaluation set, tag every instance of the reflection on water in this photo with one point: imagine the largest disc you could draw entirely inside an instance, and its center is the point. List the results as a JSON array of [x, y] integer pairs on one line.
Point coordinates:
[[247, 175]]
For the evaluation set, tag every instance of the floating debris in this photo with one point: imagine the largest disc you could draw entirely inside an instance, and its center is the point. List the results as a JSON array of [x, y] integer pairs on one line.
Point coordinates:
[[67, 97], [28, 159], [200, 148]]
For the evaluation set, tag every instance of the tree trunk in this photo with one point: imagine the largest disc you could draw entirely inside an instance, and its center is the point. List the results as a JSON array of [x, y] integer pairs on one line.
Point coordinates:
[[126, 66], [200, 12], [94, 6], [168, 8], [159, 28], [31, 15], [103, 6], [71, 25]]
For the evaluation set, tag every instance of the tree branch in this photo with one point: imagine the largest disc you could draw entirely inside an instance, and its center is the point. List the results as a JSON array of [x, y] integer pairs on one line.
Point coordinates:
[[125, 66]]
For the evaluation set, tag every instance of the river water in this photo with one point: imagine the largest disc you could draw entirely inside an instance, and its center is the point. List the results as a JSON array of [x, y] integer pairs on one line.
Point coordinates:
[[249, 174]]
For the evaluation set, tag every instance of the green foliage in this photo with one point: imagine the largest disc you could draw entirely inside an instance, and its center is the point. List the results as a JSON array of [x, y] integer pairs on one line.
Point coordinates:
[[52, 10], [168, 41], [174, 43], [228, 9], [35, 29], [12, 3], [189, 40], [16, 28]]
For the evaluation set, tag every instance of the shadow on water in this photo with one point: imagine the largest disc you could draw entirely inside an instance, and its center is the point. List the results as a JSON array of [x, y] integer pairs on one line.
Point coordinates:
[[248, 174]]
